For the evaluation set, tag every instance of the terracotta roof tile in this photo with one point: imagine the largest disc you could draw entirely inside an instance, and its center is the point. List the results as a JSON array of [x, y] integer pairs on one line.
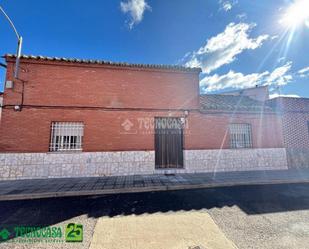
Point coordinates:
[[102, 62], [231, 103]]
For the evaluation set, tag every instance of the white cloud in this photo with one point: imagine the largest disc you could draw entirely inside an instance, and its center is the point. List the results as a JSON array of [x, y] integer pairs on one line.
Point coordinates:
[[281, 59], [232, 80], [227, 5], [242, 16], [223, 48], [274, 37], [136, 9], [275, 95], [279, 76], [303, 72]]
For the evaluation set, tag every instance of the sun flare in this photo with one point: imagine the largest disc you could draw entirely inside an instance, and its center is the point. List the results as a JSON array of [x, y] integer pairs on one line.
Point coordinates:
[[297, 14]]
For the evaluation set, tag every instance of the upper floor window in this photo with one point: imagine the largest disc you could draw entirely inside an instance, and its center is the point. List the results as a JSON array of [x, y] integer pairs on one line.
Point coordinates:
[[240, 136], [66, 136]]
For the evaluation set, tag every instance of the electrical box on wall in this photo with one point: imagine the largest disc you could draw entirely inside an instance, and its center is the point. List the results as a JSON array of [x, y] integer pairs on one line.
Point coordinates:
[[9, 84]]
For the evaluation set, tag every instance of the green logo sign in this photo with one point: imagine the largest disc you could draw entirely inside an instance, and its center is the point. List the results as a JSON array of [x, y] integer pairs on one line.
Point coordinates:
[[41, 234], [74, 233], [4, 234]]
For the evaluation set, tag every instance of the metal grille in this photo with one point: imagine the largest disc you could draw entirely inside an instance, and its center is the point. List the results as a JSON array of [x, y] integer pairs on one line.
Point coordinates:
[[240, 136], [66, 136]]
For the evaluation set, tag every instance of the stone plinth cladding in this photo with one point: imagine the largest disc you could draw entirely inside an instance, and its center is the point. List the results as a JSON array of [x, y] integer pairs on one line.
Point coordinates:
[[85, 164]]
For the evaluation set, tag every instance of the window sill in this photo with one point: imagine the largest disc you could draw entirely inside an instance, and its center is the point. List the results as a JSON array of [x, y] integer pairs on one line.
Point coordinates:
[[65, 152], [241, 148]]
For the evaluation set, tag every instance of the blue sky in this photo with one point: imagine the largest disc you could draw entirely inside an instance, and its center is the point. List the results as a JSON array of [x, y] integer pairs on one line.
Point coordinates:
[[238, 43]]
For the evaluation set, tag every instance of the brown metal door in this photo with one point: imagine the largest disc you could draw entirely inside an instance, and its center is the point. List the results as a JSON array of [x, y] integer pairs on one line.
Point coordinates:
[[168, 143]]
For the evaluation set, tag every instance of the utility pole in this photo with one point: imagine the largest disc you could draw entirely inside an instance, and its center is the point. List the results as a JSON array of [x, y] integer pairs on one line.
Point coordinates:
[[19, 43]]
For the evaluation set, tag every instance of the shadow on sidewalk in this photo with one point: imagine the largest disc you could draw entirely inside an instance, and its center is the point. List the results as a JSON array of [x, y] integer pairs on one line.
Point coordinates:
[[251, 199]]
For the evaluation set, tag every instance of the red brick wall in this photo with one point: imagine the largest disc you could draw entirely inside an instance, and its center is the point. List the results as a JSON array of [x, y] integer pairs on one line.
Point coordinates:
[[69, 84], [295, 118], [295, 130], [210, 131], [29, 130], [61, 85]]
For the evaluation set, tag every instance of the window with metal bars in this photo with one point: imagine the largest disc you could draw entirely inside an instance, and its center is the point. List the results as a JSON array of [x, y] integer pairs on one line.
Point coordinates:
[[66, 136], [240, 136]]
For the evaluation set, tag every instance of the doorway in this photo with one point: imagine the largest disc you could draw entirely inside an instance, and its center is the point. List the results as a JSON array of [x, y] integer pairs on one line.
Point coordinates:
[[168, 143]]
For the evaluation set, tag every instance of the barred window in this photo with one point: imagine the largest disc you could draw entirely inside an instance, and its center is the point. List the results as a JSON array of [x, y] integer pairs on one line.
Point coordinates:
[[240, 136], [66, 136]]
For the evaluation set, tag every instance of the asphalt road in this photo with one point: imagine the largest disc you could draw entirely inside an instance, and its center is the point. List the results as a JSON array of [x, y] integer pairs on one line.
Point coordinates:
[[272, 216]]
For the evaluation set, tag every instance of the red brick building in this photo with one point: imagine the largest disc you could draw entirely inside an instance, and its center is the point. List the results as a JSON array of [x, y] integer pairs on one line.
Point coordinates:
[[294, 113], [1, 100], [113, 117]]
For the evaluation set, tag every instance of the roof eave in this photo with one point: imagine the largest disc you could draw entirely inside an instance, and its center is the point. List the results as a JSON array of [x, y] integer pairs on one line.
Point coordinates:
[[107, 63]]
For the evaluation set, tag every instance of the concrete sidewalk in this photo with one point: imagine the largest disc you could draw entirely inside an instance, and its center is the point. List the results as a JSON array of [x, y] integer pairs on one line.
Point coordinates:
[[61, 187], [175, 230]]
